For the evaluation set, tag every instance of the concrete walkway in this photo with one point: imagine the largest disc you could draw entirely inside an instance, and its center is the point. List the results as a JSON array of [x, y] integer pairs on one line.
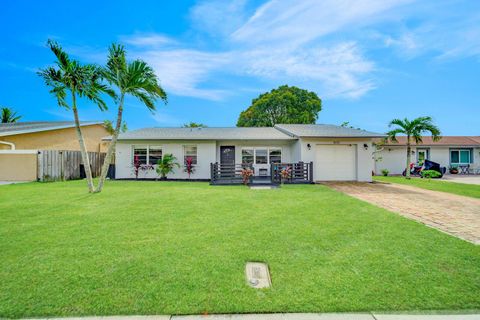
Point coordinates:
[[295, 316]]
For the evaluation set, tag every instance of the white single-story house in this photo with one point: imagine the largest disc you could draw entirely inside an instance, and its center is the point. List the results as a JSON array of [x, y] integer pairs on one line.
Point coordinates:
[[331, 152], [449, 151]]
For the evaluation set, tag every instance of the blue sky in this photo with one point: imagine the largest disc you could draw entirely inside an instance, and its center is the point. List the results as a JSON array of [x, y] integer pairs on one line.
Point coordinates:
[[369, 61]]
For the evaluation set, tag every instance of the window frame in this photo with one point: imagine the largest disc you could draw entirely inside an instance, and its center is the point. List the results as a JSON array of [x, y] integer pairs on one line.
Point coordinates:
[[459, 150], [147, 147], [156, 147], [252, 155], [254, 149], [185, 153]]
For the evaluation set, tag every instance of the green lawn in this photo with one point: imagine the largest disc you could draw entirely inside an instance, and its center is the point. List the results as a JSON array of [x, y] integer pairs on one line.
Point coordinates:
[[173, 247], [463, 189]]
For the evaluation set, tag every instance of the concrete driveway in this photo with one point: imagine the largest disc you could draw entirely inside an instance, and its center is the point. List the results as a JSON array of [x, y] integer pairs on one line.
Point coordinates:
[[450, 213], [469, 179]]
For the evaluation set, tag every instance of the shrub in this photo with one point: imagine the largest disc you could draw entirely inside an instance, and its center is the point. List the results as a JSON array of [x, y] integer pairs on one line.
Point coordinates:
[[189, 166], [166, 165], [431, 174], [385, 172]]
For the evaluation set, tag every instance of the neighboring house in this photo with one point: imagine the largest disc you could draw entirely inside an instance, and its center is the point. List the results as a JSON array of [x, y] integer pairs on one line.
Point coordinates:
[[51, 135], [20, 144], [335, 153], [449, 151]]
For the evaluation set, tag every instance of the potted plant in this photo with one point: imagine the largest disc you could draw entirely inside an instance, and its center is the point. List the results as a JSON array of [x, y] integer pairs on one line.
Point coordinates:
[[285, 174], [166, 165], [453, 170], [246, 173]]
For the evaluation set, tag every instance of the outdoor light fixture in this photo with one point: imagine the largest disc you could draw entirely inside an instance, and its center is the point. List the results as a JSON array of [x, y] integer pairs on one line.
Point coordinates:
[[365, 146], [309, 146]]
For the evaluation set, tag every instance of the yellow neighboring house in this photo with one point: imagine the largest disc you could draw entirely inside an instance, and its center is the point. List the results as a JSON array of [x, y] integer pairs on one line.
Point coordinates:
[[20, 142]]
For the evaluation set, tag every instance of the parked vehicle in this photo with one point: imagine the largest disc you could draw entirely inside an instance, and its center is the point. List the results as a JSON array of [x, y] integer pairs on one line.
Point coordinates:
[[427, 165]]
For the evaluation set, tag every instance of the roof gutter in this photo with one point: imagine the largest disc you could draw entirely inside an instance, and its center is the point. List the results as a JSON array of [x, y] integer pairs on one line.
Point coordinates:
[[11, 144]]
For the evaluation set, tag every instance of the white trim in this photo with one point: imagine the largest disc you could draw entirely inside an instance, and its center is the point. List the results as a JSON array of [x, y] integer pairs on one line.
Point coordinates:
[[11, 144], [26, 151], [12, 133]]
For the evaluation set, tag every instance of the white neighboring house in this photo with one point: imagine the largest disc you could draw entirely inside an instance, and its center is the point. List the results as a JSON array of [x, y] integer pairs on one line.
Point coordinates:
[[335, 152], [449, 151]]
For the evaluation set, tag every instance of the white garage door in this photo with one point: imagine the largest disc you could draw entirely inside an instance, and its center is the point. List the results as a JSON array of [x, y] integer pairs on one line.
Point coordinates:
[[335, 162]]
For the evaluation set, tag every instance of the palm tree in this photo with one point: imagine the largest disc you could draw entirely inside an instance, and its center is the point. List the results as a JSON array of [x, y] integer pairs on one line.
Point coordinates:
[[78, 81], [135, 78], [413, 130], [9, 116], [166, 165], [194, 125]]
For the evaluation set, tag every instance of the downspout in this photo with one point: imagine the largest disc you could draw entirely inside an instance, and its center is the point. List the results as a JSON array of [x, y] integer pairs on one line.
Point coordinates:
[[12, 145]]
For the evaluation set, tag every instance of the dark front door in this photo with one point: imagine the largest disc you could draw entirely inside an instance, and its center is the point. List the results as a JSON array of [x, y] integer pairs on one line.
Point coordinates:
[[227, 155]]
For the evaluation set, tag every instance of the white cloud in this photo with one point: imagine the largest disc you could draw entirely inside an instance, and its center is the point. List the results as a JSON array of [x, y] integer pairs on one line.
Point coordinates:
[[293, 22], [218, 17], [148, 40], [322, 45], [163, 118]]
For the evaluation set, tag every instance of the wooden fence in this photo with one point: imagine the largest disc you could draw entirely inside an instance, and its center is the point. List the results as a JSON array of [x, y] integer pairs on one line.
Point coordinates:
[[58, 165]]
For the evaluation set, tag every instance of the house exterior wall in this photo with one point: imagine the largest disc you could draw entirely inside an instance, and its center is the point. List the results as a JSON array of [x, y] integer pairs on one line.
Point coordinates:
[[209, 152], [61, 139], [394, 158], [18, 166], [206, 151], [364, 156]]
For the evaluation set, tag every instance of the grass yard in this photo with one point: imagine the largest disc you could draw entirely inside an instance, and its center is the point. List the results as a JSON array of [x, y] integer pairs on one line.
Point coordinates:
[[181, 248], [463, 189]]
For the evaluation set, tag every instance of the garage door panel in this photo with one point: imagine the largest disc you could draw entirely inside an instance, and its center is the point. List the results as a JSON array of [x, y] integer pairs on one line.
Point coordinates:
[[336, 162]]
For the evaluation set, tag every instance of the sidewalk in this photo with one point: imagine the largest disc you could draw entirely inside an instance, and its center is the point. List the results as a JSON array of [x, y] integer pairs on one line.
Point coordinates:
[[294, 316]]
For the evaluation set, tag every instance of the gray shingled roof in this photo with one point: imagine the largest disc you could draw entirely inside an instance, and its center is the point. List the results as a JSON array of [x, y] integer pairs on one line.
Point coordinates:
[[325, 131], [205, 134], [8, 129]]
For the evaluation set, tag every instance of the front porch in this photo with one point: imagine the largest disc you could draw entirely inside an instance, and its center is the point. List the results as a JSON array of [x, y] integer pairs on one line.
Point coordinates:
[[230, 174]]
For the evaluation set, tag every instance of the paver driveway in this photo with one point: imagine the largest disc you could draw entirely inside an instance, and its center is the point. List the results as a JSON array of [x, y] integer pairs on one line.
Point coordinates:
[[453, 214]]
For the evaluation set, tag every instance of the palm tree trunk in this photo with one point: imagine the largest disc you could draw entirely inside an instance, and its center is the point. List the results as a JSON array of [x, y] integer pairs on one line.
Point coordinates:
[[409, 154], [111, 146], [83, 148]]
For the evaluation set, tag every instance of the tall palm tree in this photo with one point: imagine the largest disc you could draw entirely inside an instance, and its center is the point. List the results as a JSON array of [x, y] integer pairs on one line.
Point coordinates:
[[413, 130], [9, 116], [134, 78], [69, 77]]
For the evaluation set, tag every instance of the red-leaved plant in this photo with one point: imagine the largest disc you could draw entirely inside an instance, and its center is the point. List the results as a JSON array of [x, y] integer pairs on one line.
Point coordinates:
[[138, 167], [189, 166], [246, 174]]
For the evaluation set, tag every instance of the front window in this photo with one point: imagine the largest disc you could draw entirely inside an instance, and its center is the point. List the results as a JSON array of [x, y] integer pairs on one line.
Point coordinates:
[[141, 154], [459, 157], [261, 156], [247, 156], [422, 155], [154, 154], [190, 152], [275, 155]]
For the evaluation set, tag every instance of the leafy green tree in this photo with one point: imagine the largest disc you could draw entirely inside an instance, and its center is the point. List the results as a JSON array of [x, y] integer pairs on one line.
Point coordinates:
[[166, 165], [134, 78], [9, 116], [194, 125], [70, 77], [282, 105], [413, 130], [108, 124]]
